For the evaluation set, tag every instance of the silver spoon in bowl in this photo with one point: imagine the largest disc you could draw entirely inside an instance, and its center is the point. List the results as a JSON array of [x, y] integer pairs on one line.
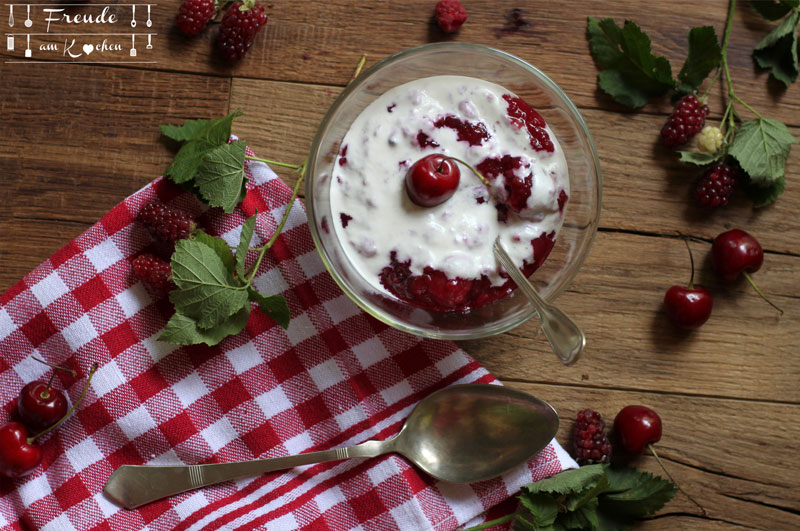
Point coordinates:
[[462, 433], [564, 335]]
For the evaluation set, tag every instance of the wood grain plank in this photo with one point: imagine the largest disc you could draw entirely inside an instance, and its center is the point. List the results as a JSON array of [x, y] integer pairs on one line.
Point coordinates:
[[320, 42], [645, 188], [90, 139], [730, 455], [745, 350]]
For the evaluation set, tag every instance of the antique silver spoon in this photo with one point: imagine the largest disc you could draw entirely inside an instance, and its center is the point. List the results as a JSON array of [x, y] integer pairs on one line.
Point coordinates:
[[565, 336], [463, 433]]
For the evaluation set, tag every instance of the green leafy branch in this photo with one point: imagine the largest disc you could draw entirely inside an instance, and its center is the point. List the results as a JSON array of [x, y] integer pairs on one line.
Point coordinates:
[[596, 497], [214, 287], [778, 50], [632, 75]]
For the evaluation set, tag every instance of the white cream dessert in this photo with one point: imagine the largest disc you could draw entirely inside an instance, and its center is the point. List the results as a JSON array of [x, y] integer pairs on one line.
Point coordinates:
[[440, 257]]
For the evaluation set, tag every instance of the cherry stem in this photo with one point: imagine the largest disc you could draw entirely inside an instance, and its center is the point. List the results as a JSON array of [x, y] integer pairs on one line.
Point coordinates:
[[71, 410], [755, 287], [487, 525], [653, 451], [59, 367], [359, 67], [483, 179], [274, 162], [691, 260]]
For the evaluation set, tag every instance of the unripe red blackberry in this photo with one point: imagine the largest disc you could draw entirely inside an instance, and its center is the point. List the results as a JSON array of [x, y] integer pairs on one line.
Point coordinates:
[[193, 16], [715, 188], [686, 120], [154, 272], [168, 223], [589, 439]]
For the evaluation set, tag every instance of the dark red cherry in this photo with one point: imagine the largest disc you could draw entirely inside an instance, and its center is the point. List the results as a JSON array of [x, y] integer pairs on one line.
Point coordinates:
[[734, 252], [40, 406], [636, 427], [688, 307], [432, 180], [18, 456]]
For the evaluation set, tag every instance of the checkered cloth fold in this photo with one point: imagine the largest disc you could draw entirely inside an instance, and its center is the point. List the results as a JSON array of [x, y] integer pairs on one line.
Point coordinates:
[[336, 377]]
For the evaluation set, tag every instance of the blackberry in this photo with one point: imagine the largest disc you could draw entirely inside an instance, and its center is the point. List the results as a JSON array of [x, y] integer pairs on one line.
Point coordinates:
[[240, 25], [168, 223], [589, 439], [154, 272], [715, 188], [193, 15], [686, 120]]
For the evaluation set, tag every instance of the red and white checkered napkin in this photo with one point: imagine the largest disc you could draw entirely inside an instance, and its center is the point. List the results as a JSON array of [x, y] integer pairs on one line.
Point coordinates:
[[336, 377]]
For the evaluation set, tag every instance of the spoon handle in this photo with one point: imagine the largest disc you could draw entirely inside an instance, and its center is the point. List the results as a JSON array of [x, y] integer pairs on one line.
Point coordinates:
[[565, 336], [132, 486]]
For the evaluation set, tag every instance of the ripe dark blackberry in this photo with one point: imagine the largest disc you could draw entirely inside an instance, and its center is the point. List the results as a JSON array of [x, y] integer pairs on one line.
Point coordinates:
[[154, 272], [686, 120], [715, 187], [169, 224], [589, 439], [240, 25], [193, 15], [450, 15]]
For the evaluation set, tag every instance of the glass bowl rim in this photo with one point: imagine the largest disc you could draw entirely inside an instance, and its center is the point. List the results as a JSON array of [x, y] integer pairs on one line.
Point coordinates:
[[489, 329]]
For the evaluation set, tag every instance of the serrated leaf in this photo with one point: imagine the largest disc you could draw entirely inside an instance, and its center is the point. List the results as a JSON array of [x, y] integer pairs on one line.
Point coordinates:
[[186, 131], [523, 523], [611, 522], [221, 175], [773, 9], [187, 161], [218, 130], [580, 498], [762, 196], [704, 56], [273, 305], [574, 520], [183, 330], [568, 481], [219, 246], [635, 494], [543, 507], [698, 158], [206, 290], [761, 147], [589, 512], [244, 244], [778, 50], [630, 73]]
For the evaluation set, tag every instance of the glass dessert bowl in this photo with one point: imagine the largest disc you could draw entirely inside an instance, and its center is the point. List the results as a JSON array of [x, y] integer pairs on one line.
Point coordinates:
[[395, 293]]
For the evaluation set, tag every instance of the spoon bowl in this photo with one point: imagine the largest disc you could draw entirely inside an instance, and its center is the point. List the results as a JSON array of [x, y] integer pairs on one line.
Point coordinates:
[[462, 434]]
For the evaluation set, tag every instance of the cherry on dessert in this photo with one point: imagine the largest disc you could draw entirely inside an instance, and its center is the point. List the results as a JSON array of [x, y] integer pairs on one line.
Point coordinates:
[[636, 427], [18, 455], [432, 180], [734, 253], [688, 307], [40, 406]]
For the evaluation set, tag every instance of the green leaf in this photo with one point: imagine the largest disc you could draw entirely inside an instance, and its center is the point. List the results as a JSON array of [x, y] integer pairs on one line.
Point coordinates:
[[187, 161], [762, 196], [273, 305], [589, 513], [778, 50], [635, 494], [183, 330], [568, 481], [762, 146], [221, 175], [773, 9], [219, 246], [206, 290], [188, 130], [244, 244], [704, 56], [698, 158], [612, 522], [581, 498], [630, 73], [543, 507]]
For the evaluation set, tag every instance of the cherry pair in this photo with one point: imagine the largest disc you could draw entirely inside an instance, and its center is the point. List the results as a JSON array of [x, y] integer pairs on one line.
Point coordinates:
[[42, 409], [733, 253]]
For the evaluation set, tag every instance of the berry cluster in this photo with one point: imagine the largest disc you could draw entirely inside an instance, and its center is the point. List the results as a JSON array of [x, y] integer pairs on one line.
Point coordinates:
[[589, 439], [240, 24], [450, 15], [169, 225], [686, 120], [41, 408]]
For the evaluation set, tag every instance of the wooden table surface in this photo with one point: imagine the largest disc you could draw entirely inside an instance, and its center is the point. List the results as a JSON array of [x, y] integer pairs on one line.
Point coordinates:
[[78, 138]]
